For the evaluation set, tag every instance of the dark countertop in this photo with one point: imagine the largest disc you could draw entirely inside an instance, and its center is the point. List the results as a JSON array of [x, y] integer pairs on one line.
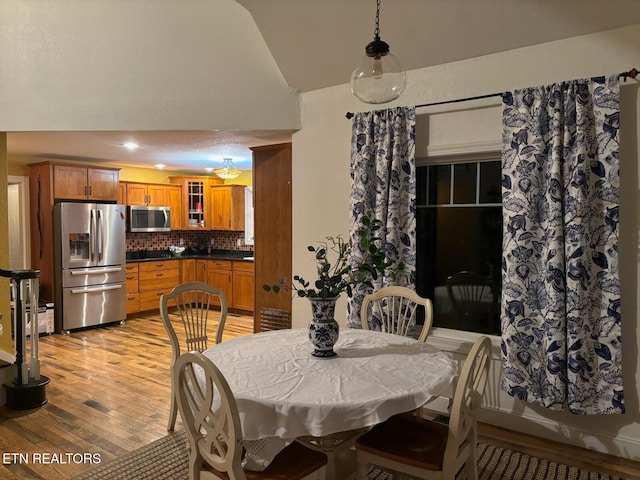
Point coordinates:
[[154, 255]]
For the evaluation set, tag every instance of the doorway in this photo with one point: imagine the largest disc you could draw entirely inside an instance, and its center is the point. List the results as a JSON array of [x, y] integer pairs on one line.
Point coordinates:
[[18, 213]]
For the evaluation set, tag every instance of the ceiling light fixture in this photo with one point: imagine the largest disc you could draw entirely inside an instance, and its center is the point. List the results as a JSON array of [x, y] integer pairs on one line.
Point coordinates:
[[379, 77], [131, 145], [227, 171], [159, 166]]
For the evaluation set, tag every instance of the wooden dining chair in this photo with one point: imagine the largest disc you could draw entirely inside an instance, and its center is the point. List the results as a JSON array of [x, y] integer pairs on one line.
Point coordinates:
[[191, 304], [215, 434], [394, 310], [425, 449]]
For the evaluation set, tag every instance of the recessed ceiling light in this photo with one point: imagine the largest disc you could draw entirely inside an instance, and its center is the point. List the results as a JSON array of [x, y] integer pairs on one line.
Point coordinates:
[[159, 166], [131, 145]]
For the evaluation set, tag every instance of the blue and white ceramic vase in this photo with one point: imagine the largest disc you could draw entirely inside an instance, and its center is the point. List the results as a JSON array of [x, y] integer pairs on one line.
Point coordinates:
[[323, 329]]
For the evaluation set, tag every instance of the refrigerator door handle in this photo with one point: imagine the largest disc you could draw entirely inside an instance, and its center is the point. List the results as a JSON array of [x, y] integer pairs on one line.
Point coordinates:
[[96, 272], [92, 234], [100, 234], [96, 289]]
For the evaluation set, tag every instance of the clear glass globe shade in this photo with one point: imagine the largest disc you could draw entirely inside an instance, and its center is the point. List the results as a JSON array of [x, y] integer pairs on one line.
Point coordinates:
[[378, 80]]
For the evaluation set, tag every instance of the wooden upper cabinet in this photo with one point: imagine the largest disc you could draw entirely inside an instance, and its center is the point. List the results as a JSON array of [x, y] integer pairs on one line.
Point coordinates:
[[157, 195], [174, 200], [227, 207], [136, 194], [122, 194], [195, 201], [72, 182], [147, 195]]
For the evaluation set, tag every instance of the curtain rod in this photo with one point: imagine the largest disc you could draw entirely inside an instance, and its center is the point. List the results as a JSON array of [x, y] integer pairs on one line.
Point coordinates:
[[633, 73]]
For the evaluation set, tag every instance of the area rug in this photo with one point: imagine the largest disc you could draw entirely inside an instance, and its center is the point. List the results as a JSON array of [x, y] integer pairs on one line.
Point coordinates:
[[166, 459]]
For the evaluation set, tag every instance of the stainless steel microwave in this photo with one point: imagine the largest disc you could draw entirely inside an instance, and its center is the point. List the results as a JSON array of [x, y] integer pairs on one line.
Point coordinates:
[[148, 219]]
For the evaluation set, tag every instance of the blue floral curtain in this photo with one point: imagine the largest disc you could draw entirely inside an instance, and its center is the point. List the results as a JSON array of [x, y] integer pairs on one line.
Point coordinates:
[[561, 290], [383, 186]]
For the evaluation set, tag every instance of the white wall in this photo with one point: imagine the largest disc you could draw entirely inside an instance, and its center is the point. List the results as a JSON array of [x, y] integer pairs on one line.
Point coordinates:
[[148, 65], [321, 196]]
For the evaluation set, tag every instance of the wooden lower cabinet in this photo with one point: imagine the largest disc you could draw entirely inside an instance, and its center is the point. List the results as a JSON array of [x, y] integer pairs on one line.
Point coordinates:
[[219, 276], [147, 281], [133, 297], [243, 285], [155, 279], [188, 270]]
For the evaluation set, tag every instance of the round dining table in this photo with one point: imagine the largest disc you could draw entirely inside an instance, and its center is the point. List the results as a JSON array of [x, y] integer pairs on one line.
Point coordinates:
[[283, 392]]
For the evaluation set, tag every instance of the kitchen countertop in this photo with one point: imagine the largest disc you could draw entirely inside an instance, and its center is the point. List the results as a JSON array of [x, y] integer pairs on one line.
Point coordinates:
[[154, 255]]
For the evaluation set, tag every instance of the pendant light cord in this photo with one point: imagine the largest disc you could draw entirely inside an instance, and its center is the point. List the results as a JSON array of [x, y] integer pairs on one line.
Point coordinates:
[[376, 31]]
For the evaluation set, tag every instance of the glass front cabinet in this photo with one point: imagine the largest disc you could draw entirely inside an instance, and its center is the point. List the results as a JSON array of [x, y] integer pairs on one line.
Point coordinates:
[[196, 201]]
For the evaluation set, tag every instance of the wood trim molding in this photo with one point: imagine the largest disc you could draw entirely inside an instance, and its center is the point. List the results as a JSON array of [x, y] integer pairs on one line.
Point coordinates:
[[487, 147]]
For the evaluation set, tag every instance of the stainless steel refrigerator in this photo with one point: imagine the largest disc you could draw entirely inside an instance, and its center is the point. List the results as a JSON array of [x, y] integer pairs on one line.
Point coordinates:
[[89, 263]]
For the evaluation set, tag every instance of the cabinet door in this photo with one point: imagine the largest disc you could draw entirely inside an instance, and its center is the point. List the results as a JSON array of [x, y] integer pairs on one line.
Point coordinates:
[[187, 270], [220, 208], [122, 193], [103, 184], [243, 286], [174, 198], [227, 207], [201, 271], [157, 196], [219, 276], [70, 182], [195, 200], [136, 194]]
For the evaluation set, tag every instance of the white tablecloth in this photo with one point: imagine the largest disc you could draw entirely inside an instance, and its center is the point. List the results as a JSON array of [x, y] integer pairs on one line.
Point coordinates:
[[282, 391]]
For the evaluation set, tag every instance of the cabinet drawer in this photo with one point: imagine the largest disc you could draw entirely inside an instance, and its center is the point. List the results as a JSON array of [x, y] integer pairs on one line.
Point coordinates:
[[150, 300], [131, 280], [133, 303], [152, 280], [220, 264], [158, 265], [132, 268], [242, 266]]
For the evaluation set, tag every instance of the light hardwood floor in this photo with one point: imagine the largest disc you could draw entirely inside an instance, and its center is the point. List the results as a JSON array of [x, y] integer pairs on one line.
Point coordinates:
[[109, 394]]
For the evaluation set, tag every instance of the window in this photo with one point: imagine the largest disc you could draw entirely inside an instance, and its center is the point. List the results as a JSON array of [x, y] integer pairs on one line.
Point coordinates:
[[459, 228]]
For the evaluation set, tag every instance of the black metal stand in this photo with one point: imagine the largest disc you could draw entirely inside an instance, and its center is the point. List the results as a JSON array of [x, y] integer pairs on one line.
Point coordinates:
[[28, 389]]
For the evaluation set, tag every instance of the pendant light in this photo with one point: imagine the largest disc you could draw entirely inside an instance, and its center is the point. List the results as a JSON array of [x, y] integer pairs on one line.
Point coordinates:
[[227, 171], [379, 77]]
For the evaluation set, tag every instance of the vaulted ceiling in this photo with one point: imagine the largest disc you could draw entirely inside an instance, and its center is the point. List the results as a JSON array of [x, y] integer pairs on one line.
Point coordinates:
[[316, 44]]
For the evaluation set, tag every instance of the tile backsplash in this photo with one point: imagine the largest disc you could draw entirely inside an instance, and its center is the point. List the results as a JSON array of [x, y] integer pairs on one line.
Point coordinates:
[[222, 240]]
